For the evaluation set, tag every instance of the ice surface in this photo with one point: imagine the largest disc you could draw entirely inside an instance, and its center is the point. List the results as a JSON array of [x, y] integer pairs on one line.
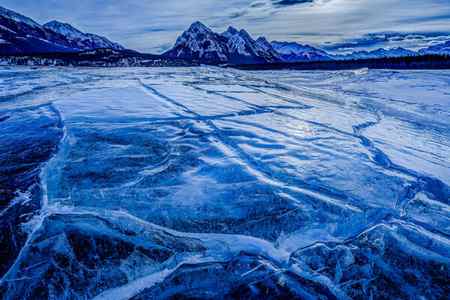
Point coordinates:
[[215, 183]]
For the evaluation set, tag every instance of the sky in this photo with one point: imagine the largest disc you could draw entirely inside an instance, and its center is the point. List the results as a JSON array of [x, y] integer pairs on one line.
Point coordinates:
[[336, 25]]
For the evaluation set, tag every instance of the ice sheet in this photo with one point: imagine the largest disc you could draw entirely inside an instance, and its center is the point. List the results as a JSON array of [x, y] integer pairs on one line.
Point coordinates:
[[217, 183]]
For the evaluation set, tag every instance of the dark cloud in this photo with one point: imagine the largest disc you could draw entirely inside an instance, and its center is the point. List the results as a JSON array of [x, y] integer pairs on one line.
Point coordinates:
[[257, 4], [290, 2], [412, 40], [237, 14]]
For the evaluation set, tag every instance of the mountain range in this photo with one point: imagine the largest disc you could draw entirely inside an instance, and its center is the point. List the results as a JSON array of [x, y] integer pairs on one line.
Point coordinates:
[[200, 43], [393, 52], [20, 35]]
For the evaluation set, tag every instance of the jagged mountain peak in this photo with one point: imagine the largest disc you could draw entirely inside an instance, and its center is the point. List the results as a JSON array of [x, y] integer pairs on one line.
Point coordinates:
[[264, 43], [262, 39], [197, 31], [233, 32], [230, 32], [199, 27], [244, 33], [199, 43], [232, 46]]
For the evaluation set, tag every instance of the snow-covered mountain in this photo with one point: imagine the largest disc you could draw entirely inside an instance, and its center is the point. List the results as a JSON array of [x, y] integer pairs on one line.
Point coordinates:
[[84, 41], [244, 49], [12, 15], [233, 46], [294, 52], [200, 43], [440, 49], [21, 35], [379, 53]]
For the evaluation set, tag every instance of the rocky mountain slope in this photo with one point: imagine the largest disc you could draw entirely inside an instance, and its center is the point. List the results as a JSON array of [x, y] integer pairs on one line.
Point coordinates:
[[294, 52], [21, 35], [234, 46], [84, 41]]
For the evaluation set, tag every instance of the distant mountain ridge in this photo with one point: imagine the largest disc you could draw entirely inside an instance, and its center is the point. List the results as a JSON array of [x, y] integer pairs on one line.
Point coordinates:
[[439, 49], [294, 52], [84, 41], [199, 43], [22, 35], [378, 53]]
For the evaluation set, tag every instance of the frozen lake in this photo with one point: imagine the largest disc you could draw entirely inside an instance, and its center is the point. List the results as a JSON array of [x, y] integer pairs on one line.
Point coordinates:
[[215, 183]]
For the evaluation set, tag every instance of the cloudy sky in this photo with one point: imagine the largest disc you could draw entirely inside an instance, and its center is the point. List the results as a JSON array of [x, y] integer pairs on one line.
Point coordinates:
[[336, 25]]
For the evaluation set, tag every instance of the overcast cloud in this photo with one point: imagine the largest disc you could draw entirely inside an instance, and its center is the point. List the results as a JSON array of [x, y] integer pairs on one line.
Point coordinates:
[[337, 25]]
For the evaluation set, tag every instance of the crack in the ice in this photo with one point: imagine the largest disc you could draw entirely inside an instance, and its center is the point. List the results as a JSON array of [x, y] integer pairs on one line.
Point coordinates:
[[41, 213], [332, 197], [222, 246], [421, 184], [43, 89], [379, 157]]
